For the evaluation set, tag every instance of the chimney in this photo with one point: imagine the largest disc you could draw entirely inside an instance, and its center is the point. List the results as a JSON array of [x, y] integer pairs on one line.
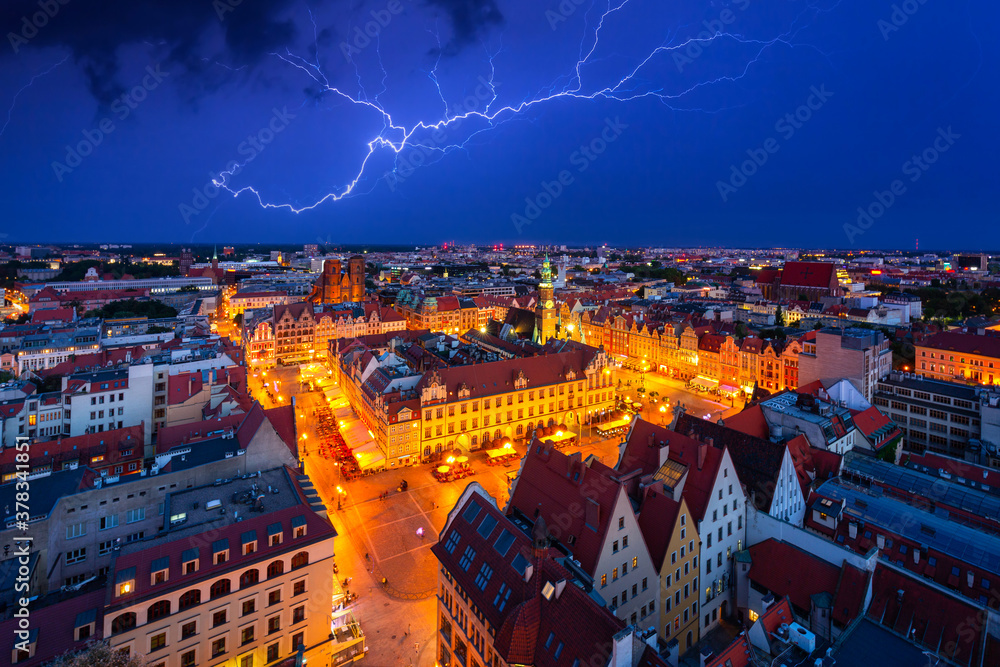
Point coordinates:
[[702, 451], [621, 652], [880, 541], [852, 530], [916, 556]]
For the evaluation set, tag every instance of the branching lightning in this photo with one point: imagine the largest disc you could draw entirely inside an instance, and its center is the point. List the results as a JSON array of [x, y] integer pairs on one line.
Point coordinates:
[[13, 102], [395, 137]]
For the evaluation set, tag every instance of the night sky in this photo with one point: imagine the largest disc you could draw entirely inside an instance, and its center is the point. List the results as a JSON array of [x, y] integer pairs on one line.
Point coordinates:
[[743, 123]]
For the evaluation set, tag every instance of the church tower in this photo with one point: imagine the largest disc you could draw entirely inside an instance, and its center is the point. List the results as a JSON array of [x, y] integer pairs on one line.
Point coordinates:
[[545, 309]]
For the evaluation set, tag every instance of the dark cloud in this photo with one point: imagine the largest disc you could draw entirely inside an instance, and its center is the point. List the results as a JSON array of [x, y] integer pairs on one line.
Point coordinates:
[[469, 18], [95, 31]]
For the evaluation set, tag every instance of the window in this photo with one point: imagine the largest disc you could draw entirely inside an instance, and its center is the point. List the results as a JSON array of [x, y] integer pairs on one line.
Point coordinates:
[[272, 652], [483, 578], [76, 530], [273, 624], [273, 598], [189, 599], [246, 635], [189, 630], [635, 562], [109, 521], [158, 610], [467, 558], [218, 647], [219, 618], [604, 580], [299, 587], [300, 559], [131, 516], [614, 547], [219, 588], [298, 614], [621, 523], [297, 640], [614, 574], [156, 642], [249, 578], [249, 606], [123, 623]]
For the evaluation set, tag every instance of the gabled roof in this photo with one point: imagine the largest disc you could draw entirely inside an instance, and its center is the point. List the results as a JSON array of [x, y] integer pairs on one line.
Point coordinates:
[[551, 481], [737, 654], [657, 517], [808, 274], [750, 421], [757, 461], [778, 613]]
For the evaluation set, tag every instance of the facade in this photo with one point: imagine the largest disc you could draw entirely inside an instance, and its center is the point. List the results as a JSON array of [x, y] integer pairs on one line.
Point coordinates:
[[826, 425], [706, 477], [949, 418], [674, 545], [955, 356], [506, 595], [469, 406], [587, 509], [336, 286], [107, 400], [863, 356], [48, 349], [214, 589], [243, 301], [294, 332]]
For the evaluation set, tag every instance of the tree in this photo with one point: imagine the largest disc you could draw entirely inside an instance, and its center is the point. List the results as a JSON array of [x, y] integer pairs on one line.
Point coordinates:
[[238, 320], [98, 654], [155, 329], [779, 317], [741, 330]]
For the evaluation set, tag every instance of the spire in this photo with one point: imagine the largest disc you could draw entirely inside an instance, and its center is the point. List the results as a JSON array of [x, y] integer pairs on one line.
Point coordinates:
[[215, 252]]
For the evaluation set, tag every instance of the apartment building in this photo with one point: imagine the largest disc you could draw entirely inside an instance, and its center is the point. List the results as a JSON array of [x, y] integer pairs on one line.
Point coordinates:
[[227, 583], [509, 596], [960, 356], [47, 349], [106, 400], [250, 300], [79, 514], [587, 509], [825, 424], [862, 356], [951, 418]]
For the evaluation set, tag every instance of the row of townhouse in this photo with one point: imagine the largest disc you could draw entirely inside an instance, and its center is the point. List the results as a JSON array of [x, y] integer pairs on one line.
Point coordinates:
[[290, 333]]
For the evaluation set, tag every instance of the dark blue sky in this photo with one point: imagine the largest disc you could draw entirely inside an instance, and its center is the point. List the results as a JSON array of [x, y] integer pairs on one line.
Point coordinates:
[[654, 145]]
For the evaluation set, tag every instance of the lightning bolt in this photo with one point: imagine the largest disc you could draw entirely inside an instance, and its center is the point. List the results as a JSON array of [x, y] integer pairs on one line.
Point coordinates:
[[13, 102], [632, 85]]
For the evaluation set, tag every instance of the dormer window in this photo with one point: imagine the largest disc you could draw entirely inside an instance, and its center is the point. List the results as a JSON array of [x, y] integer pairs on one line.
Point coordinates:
[[299, 527], [189, 561], [159, 571], [274, 534], [125, 582], [85, 625], [220, 551], [249, 542]]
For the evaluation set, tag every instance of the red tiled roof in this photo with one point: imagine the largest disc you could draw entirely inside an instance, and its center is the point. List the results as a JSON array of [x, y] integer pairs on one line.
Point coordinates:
[[812, 463], [171, 436], [551, 482], [967, 343], [808, 274], [851, 591], [928, 616], [786, 570], [657, 517], [989, 476], [780, 612], [737, 654], [638, 453], [55, 626], [870, 420], [53, 315], [283, 420], [750, 421]]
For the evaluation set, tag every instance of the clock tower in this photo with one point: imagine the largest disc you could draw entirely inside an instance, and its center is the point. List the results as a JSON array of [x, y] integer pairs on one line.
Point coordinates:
[[545, 310]]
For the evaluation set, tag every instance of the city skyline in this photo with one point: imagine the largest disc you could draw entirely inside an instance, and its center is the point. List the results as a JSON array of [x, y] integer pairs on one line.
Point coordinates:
[[826, 123]]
